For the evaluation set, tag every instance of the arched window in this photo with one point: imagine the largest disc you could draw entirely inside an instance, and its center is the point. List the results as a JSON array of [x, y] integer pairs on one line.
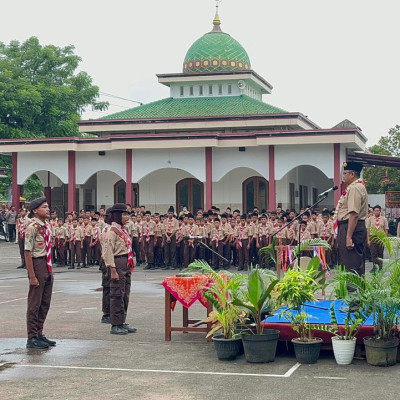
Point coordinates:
[[119, 193], [255, 193], [190, 193]]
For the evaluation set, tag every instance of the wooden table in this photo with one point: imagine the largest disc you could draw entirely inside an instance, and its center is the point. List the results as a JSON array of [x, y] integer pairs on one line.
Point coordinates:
[[186, 290]]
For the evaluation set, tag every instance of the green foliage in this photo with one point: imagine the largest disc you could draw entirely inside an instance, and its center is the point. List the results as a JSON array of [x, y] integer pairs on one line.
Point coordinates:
[[257, 296], [297, 287], [388, 145], [223, 290], [41, 95], [33, 188]]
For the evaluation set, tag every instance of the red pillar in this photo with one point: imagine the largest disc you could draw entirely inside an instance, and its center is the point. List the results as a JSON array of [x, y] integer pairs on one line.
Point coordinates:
[[209, 178], [71, 180], [337, 179], [271, 180], [47, 194], [14, 182], [128, 187]]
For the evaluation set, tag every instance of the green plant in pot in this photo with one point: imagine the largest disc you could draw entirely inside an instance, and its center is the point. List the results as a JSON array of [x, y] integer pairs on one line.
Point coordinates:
[[224, 288], [297, 287], [380, 296], [259, 343]]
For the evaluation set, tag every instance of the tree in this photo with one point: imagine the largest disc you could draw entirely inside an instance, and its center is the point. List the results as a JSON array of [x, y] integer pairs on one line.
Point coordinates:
[[41, 95], [382, 179]]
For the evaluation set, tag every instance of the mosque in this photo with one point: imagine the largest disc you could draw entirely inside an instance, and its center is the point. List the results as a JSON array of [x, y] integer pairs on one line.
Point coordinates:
[[212, 142]]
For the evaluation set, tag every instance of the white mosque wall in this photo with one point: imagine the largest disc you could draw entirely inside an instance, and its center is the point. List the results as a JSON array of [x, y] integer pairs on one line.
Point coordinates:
[[146, 162], [305, 175], [289, 157], [105, 188], [228, 191], [55, 162], [157, 191], [88, 163], [227, 159]]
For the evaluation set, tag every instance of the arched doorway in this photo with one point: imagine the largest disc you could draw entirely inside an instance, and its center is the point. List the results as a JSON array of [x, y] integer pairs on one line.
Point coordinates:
[[255, 193], [190, 193], [120, 196]]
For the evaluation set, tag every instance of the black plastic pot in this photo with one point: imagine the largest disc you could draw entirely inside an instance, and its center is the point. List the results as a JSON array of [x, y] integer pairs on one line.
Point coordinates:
[[381, 353], [227, 349], [260, 348], [307, 352]]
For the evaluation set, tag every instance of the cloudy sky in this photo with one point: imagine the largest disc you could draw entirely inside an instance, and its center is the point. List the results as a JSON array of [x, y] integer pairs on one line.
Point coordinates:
[[329, 60]]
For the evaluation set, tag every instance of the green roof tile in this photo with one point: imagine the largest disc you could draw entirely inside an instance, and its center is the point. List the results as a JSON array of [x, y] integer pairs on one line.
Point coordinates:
[[198, 107]]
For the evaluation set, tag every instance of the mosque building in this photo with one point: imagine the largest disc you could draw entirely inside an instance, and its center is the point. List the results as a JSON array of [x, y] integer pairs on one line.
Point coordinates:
[[213, 141]]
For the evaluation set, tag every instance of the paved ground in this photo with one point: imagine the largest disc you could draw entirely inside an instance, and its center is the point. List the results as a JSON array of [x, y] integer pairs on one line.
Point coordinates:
[[89, 363]]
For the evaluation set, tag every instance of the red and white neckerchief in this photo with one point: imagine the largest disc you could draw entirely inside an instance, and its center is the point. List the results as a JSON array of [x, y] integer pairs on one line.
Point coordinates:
[[191, 229], [128, 243], [21, 228], [240, 237], [95, 235], [377, 222], [74, 235], [217, 238], [303, 236], [169, 227], [147, 232], [262, 230], [324, 232], [47, 240], [59, 239]]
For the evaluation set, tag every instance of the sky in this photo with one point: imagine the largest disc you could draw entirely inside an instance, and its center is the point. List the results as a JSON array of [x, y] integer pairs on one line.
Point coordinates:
[[328, 60]]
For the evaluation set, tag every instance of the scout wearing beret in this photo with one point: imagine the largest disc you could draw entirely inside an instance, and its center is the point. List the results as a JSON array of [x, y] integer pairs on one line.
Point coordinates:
[[351, 213], [39, 268]]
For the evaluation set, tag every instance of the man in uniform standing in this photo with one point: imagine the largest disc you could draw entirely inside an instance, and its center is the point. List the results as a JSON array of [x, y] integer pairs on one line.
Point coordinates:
[[379, 223], [352, 210], [39, 268]]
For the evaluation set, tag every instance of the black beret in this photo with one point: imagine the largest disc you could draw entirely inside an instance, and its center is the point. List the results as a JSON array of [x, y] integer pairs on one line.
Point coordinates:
[[171, 209], [352, 166], [34, 204], [118, 207]]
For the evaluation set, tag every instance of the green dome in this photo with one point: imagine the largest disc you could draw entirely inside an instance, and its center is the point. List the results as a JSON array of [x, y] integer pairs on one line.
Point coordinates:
[[216, 51]]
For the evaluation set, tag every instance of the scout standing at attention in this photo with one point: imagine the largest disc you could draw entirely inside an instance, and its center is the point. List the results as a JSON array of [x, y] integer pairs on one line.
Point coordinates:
[[118, 257], [39, 268]]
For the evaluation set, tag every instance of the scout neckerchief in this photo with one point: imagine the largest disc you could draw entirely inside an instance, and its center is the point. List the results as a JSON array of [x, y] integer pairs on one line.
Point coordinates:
[[123, 234], [377, 222], [74, 236], [240, 237], [217, 238], [169, 227], [47, 240], [191, 241], [147, 232], [21, 228], [59, 239], [95, 235]]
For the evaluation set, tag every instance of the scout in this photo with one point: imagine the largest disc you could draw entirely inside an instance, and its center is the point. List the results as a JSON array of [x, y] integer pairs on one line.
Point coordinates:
[[75, 244], [39, 268], [22, 224], [171, 226], [87, 239], [190, 243], [242, 232], [378, 222], [147, 238], [95, 246], [60, 238]]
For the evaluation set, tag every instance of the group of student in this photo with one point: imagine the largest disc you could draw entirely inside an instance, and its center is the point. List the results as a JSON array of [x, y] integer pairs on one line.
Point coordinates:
[[173, 241]]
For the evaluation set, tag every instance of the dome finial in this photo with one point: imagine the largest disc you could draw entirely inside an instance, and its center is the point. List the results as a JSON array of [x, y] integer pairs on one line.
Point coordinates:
[[217, 21]]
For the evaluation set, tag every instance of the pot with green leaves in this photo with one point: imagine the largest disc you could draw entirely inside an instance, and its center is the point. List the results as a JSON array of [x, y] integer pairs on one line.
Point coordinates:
[[259, 344], [379, 292], [224, 288], [297, 287]]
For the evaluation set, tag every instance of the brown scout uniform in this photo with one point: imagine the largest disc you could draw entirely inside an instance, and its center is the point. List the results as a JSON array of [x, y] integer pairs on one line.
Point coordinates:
[[60, 237], [376, 250], [170, 228], [75, 244], [39, 298]]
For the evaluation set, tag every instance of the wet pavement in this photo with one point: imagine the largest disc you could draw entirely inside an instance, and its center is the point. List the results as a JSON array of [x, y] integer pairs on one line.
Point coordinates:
[[89, 363]]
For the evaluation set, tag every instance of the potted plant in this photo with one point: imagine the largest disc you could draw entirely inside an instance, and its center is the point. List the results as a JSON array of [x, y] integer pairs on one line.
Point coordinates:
[[297, 287], [259, 343], [225, 316], [344, 335]]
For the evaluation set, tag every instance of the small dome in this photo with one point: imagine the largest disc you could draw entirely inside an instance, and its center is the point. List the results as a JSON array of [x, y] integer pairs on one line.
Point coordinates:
[[216, 51]]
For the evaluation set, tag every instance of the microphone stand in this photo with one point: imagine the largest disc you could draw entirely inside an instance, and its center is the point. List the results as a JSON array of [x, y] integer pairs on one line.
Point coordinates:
[[322, 197], [212, 251]]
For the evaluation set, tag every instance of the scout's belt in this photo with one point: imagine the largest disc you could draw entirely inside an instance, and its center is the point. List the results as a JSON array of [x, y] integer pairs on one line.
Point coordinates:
[[346, 221]]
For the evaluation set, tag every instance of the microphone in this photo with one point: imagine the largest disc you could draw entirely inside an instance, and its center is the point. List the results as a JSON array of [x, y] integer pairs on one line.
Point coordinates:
[[332, 189], [194, 237]]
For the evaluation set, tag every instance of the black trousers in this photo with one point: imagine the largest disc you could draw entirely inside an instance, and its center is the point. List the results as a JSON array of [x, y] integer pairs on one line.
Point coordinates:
[[105, 283], [120, 291], [353, 259]]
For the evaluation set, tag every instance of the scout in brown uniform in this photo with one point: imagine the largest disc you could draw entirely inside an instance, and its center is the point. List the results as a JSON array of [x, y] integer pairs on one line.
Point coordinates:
[[380, 223], [118, 256], [39, 268], [242, 232], [136, 228], [105, 272], [147, 238], [217, 244], [352, 210], [95, 246], [325, 232], [227, 232], [75, 244], [87, 239], [263, 236], [171, 226], [60, 238], [158, 242], [22, 224], [191, 229]]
